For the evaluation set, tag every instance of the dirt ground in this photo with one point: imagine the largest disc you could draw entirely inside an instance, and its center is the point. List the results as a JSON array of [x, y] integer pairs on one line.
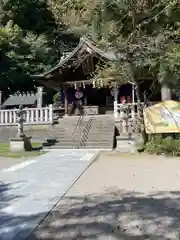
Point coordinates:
[[119, 197]]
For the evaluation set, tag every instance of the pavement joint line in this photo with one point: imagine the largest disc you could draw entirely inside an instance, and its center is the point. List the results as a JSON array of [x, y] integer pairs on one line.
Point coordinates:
[[92, 160]]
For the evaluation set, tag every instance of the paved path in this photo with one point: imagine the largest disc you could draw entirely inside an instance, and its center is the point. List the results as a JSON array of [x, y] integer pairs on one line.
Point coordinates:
[[30, 189], [119, 198]]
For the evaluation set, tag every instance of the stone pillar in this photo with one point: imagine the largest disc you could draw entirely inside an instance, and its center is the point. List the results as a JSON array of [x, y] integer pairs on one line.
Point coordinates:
[[116, 114], [165, 92], [39, 97], [65, 101]]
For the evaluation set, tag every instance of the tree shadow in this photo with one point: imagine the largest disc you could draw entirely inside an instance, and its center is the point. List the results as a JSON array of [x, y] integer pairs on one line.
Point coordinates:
[[14, 224], [114, 215]]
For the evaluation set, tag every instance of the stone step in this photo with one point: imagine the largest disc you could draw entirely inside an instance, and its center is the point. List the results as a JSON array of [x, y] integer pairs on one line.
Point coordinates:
[[98, 143], [96, 147], [58, 147]]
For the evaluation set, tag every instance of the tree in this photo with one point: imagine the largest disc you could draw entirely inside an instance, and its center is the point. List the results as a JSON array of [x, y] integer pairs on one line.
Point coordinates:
[[31, 41], [22, 55], [142, 33]]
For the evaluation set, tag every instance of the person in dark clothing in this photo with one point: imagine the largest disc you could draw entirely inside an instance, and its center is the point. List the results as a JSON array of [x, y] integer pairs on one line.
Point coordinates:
[[79, 100]]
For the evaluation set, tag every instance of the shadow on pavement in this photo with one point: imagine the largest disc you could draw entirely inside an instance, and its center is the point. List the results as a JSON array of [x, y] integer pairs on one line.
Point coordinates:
[[115, 214]]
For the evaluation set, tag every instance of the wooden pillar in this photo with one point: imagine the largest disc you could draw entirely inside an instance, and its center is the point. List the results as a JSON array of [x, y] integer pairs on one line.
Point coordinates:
[[65, 100]]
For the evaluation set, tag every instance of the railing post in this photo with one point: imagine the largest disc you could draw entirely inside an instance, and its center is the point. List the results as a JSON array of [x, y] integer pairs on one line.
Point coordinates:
[[46, 114], [32, 115], [51, 113], [37, 115], [14, 116], [41, 110], [27, 115], [10, 116], [6, 117], [2, 116]]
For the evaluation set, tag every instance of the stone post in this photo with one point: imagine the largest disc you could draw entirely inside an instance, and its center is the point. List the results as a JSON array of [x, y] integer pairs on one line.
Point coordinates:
[[65, 101], [124, 119], [116, 114], [39, 97]]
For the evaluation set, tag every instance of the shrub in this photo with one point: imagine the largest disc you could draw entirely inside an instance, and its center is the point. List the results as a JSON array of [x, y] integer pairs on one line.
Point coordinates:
[[57, 99], [166, 146]]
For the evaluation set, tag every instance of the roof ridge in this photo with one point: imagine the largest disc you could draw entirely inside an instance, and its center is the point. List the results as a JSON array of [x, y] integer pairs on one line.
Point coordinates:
[[83, 40]]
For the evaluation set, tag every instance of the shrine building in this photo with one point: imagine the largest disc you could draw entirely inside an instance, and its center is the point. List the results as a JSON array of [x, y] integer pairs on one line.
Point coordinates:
[[76, 70]]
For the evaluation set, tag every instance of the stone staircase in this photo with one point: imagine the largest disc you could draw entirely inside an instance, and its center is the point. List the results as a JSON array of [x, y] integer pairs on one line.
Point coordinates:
[[70, 131], [61, 135], [101, 134]]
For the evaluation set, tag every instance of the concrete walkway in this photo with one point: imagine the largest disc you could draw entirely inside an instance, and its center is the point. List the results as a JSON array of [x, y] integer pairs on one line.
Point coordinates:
[[30, 189], [120, 197]]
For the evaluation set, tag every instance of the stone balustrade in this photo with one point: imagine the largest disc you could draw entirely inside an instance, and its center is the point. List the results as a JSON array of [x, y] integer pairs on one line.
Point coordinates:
[[42, 115]]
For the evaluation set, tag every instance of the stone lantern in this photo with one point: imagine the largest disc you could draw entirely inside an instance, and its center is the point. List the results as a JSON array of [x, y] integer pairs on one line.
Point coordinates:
[[21, 142]]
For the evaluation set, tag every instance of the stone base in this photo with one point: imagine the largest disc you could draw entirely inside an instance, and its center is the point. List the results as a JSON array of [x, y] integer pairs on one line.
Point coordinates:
[[91, 110], [125, 143], [20, 144]]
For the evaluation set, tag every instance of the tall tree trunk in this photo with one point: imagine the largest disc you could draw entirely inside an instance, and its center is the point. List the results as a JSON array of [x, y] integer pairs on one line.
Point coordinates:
[[140, 107], [165, 92]]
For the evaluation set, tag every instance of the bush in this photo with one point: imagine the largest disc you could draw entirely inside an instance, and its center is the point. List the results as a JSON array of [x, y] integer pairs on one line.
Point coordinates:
[[57, 99], [166, 146]]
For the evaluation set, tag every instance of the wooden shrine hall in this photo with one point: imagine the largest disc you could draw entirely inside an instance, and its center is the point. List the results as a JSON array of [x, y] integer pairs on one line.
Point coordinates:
[[76, 71]]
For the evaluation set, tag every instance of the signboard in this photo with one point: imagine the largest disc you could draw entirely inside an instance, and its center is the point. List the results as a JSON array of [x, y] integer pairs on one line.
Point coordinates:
[[163, 117]]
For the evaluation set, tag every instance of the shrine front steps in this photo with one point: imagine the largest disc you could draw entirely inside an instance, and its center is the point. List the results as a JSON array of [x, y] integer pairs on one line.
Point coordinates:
[[100, 136], [66, 133]]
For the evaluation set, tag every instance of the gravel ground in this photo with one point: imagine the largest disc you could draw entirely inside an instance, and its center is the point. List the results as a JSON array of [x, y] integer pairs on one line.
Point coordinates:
[[119, 197]]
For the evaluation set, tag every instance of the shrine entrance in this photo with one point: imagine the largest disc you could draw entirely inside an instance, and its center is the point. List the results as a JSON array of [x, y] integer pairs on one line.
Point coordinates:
[[77, 70], [100, 99]]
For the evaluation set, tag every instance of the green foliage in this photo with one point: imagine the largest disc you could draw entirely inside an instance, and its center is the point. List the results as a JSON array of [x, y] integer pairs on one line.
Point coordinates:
[[167, 146], [74, 14], [57, 98], [143, 34], [31, 15], [22, 54], [31, 42], [112, 72]]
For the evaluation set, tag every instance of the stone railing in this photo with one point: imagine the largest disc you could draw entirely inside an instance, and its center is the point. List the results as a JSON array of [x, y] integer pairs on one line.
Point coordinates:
[[42, 115], [119, 109], [131, 108]]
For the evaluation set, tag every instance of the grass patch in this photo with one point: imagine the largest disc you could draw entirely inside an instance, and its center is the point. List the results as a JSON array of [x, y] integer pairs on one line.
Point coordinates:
[[5, 152]]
